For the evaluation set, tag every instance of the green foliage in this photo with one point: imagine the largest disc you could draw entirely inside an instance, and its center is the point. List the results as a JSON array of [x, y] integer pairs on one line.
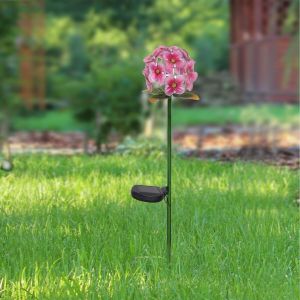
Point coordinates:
[[199, 26], [291, 27], [95, 59], [70, 230], [122, 12], [108, 99], [133, 29], [291, 22], [102, 86]]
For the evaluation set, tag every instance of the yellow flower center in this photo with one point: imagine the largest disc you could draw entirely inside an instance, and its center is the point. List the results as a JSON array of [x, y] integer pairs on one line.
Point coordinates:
[[157, 71], [174, 85], [173, 61]]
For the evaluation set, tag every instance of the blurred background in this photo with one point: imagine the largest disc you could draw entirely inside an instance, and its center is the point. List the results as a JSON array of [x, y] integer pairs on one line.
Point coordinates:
[[71, 78]]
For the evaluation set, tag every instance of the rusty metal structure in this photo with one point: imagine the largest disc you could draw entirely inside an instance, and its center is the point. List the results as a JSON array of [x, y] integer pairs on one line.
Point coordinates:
[[261, 62], [32, 54]]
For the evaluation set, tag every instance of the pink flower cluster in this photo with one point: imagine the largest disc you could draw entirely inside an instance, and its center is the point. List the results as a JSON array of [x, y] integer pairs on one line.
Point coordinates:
[[171, 68]]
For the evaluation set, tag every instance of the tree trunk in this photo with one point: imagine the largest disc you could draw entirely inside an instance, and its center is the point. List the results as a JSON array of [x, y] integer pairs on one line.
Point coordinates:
[[85, 142], [4, 144], [3, 131], [98, 133]]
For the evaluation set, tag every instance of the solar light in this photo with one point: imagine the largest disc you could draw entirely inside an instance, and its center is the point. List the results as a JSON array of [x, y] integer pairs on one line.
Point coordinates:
[[169, 74]]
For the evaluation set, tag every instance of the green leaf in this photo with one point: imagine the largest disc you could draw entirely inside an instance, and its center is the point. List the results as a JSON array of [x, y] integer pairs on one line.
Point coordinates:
[[187, 96]]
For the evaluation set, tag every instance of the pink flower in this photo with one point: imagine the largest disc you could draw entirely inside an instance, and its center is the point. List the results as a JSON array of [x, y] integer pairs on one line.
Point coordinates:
[[149, 58], [146, 73], [159, 51], [191, 75], [157, 73], [183, 52], [173, 59], [169, 67], [175, 85]]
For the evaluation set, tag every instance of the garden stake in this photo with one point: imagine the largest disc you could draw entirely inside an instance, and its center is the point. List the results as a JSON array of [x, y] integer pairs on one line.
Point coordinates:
[[169, 186], [170, 75], [156, 194]]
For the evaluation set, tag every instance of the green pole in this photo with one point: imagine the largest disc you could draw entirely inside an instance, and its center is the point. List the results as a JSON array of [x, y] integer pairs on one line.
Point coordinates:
[[169, 222]]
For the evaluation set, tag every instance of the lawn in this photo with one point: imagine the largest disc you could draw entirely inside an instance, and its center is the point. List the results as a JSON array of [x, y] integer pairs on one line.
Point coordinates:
[[70, 230], [61, 120], [218, 115], [221, 115]]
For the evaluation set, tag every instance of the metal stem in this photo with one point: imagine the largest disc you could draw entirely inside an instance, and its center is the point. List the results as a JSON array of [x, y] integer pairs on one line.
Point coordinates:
[[169, 139]]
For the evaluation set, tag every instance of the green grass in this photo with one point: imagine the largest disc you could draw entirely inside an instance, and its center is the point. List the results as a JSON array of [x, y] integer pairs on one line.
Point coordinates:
[[54, 120], [70, 230], [218, 115]]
